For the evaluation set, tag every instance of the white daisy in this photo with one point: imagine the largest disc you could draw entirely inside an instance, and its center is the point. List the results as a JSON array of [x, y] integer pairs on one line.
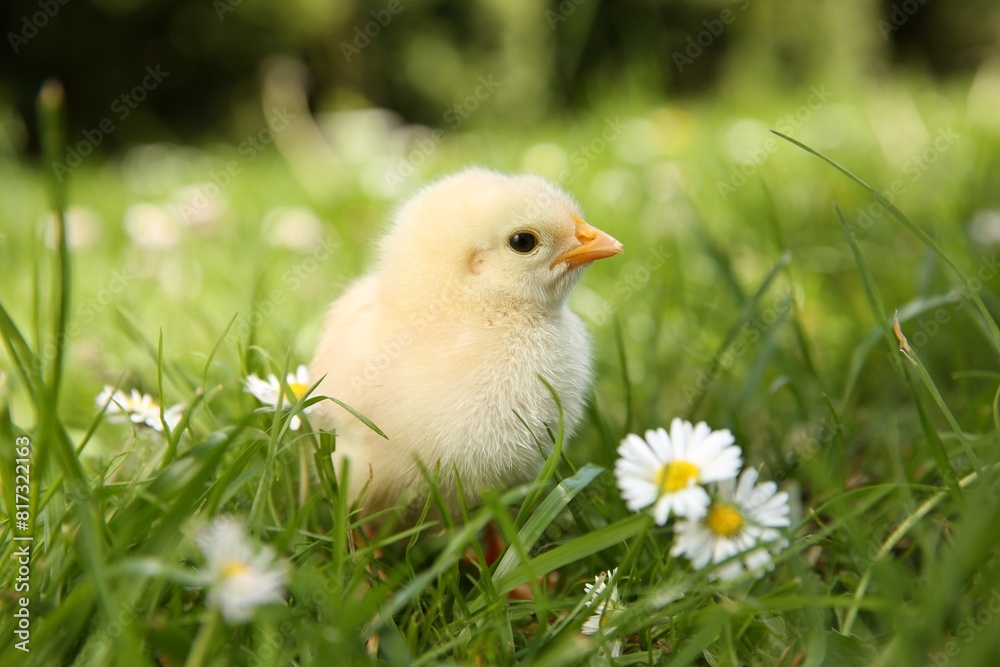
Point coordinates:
[[666, 471], [268, 391], [742, 521], [604, 611], [137, 408], [240, 576]]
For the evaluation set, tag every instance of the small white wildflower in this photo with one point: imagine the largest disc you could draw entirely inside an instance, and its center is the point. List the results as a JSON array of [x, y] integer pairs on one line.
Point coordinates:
[[743, 521], [268, 391], [604, 611], [666, 471], [240, 576], [137, 408]]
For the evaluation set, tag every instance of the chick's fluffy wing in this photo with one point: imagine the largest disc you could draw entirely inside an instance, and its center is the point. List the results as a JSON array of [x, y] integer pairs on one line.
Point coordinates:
[[352, 352]]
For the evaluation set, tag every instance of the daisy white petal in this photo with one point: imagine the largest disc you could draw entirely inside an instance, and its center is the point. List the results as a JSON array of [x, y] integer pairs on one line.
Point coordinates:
[[610, 606], [264, 391], [679, 431], [136, 407], [108, 393], [269, 391], [658, 441], [651, 453], [664, 471], [172, 415], [746, 484], [739, 530], [729, 571], [300, 378]]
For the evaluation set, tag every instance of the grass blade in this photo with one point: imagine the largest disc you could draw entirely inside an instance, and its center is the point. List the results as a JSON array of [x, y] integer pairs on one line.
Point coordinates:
[[546, 513], [577, 549], [924, 237], [747, 311], [878, 310], [20, 352], [551, 463]]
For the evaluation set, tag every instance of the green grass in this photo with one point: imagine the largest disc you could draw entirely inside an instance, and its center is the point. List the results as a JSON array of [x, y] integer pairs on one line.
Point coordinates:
[[768, 311]]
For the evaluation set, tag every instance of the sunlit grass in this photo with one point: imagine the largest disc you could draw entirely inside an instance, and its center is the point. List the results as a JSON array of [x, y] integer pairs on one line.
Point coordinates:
[[767, 310]]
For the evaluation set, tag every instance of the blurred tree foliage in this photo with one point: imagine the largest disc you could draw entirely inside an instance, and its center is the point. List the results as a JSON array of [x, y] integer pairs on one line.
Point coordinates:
[[420, 57]]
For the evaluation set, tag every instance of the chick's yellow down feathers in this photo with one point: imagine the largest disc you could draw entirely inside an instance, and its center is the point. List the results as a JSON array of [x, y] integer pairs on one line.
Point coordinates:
[[443, 342]]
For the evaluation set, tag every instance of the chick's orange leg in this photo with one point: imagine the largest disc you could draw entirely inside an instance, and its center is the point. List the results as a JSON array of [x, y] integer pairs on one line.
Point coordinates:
[[493, 547], [493, 543]]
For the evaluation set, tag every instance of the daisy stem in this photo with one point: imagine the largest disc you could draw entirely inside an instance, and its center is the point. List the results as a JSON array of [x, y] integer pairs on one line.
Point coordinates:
[[51, 118], [202, 642], [171, 450], [304, 451]]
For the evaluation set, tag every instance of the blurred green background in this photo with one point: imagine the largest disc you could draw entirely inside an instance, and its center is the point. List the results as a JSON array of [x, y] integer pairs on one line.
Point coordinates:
[[418, 57], [230, 162]]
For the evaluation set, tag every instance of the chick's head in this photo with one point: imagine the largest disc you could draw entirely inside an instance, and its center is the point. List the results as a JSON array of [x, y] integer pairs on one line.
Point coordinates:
[[502, 242]]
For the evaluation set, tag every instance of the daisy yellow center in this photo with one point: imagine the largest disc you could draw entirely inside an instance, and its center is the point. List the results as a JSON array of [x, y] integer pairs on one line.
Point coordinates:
[[234, 568], [606, 615], [724, 520], [675, 476], [298, 389], [138, 406]]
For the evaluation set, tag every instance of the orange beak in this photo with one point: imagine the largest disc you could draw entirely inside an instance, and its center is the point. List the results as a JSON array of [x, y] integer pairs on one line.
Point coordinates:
[[594, 245]]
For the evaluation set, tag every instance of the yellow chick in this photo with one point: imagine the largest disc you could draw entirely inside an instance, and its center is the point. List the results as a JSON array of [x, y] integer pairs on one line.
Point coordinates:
[[443, 342]]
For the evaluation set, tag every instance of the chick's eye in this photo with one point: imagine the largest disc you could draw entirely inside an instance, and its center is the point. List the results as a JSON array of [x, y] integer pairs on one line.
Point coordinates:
[[523, 242]]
